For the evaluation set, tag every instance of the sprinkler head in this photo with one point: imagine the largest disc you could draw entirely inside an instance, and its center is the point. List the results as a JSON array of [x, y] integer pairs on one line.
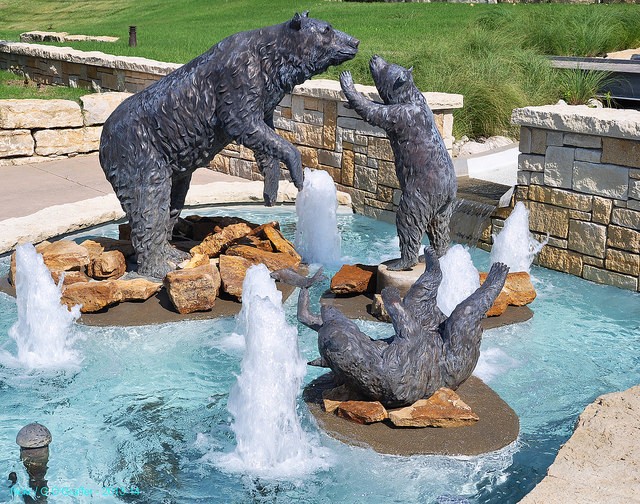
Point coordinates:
[[34, 440], [33, 436]]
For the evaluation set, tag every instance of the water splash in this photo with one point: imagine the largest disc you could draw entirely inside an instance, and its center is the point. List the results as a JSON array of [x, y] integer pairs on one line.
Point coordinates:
[[270, 440], [317, 237], [43, 334], [460, 278], [514, 245]]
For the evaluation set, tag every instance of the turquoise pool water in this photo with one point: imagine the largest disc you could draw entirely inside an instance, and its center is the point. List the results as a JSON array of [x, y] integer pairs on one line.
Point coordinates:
[[143, 415]]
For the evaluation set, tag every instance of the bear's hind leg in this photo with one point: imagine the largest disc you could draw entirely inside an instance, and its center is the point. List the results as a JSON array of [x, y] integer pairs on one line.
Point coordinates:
[[410, 223], [150, 224], [179, 188], [438, 229], [270, 170]]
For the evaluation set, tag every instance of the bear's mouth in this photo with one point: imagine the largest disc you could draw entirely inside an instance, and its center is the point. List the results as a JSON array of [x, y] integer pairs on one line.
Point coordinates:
[[375, 62], [345, 55]]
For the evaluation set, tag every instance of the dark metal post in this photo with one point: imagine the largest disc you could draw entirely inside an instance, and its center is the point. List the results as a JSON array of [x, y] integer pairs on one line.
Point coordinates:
[[133, 39]]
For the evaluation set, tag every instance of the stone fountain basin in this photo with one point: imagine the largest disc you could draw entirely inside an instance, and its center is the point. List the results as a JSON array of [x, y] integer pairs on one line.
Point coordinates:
[[498, 425], [155, 310]]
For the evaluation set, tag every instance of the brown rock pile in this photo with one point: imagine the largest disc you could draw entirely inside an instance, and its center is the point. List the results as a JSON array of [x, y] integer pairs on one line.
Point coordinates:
[[354, 279], [222, 249], [517, 291], [443, 409]]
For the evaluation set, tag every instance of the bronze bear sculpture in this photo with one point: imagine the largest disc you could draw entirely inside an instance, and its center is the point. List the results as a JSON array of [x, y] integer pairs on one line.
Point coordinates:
[[428, 350], [423, 165], [155, 139]]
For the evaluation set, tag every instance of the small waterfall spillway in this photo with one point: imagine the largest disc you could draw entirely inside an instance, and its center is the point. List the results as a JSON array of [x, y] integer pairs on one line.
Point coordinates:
[[43, 334], [270, 441], [469, 221], [514, 245], [317, 237]]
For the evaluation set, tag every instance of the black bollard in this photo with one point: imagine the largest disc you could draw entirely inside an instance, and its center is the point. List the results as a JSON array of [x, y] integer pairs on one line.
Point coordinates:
[[133, 37]]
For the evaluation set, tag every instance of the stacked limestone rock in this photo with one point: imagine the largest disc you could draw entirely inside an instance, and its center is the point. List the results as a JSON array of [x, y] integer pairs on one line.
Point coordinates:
[[94, 272], [360, 279], [222, 249], [443, 409], [91, 273]]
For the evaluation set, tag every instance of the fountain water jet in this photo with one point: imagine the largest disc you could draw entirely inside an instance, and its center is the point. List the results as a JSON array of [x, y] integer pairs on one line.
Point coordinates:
[[44, 333], [270, 439], [459, 278], [514, 245], [317, 236]]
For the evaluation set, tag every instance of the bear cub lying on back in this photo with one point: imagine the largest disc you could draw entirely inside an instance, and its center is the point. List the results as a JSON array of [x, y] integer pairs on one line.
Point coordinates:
[[423, 165]]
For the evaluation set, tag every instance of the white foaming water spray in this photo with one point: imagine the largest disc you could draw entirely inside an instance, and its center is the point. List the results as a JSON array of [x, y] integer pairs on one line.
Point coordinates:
[[460, 278], [317, 237], [270, 441], [514, 245], [44, 333]]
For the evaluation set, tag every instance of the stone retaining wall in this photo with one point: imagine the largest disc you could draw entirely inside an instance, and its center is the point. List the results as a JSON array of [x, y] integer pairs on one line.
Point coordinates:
[[35, 130], [579, 175], [333, 138], [314, 118], [88, 69]]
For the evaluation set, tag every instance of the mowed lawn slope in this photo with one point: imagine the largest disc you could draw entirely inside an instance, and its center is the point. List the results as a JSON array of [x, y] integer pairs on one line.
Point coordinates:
[[495, 55]]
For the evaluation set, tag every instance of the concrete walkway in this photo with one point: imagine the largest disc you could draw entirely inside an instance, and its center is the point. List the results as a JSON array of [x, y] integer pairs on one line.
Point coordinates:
[[52, 198], [31, 187]]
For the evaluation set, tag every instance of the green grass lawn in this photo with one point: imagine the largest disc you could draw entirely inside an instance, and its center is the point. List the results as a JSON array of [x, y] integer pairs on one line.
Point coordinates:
[[492, 54], [13, 86]]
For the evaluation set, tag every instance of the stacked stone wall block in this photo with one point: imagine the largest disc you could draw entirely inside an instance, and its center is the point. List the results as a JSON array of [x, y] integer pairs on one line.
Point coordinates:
[[589, 155], [593, 261], [538, 141], [587, 237], [558, 166], [544, 218], [531, 162], [610, 277], [622, 152], [607, 180], [555, 138], [585, 141], [626, 218], [16, 143], [57, 142], [525, 140]]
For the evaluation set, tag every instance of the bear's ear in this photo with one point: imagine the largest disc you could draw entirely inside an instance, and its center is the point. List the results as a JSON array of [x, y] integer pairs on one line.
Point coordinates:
[[400, 81], [296, 22]]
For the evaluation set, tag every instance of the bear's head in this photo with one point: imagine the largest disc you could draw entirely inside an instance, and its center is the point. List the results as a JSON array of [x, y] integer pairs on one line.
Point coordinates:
[[394, 82], [318, 45]]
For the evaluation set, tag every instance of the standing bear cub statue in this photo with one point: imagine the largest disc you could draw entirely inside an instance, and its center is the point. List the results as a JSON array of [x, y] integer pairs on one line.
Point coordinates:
[[423, 165], [155, 139]]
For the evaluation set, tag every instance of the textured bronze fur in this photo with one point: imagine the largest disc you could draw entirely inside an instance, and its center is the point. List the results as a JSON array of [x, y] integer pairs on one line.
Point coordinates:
[[423, 165], [428, 350], [155, 139]]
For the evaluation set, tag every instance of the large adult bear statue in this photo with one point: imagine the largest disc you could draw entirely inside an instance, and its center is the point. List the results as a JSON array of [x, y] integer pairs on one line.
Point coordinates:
[[155, 139], [423, 165]]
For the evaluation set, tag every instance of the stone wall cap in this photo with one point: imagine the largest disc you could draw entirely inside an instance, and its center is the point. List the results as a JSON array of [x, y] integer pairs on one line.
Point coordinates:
[[608, 122], [330, 89], [96, 58]]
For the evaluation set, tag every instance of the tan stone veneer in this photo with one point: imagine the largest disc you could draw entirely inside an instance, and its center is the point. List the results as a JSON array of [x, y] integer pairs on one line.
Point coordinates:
[[579, 176]]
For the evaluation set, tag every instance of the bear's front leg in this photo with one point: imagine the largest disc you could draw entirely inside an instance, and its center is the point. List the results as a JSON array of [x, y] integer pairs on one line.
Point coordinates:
[[270, 170], [382, 116], [266, 144]]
